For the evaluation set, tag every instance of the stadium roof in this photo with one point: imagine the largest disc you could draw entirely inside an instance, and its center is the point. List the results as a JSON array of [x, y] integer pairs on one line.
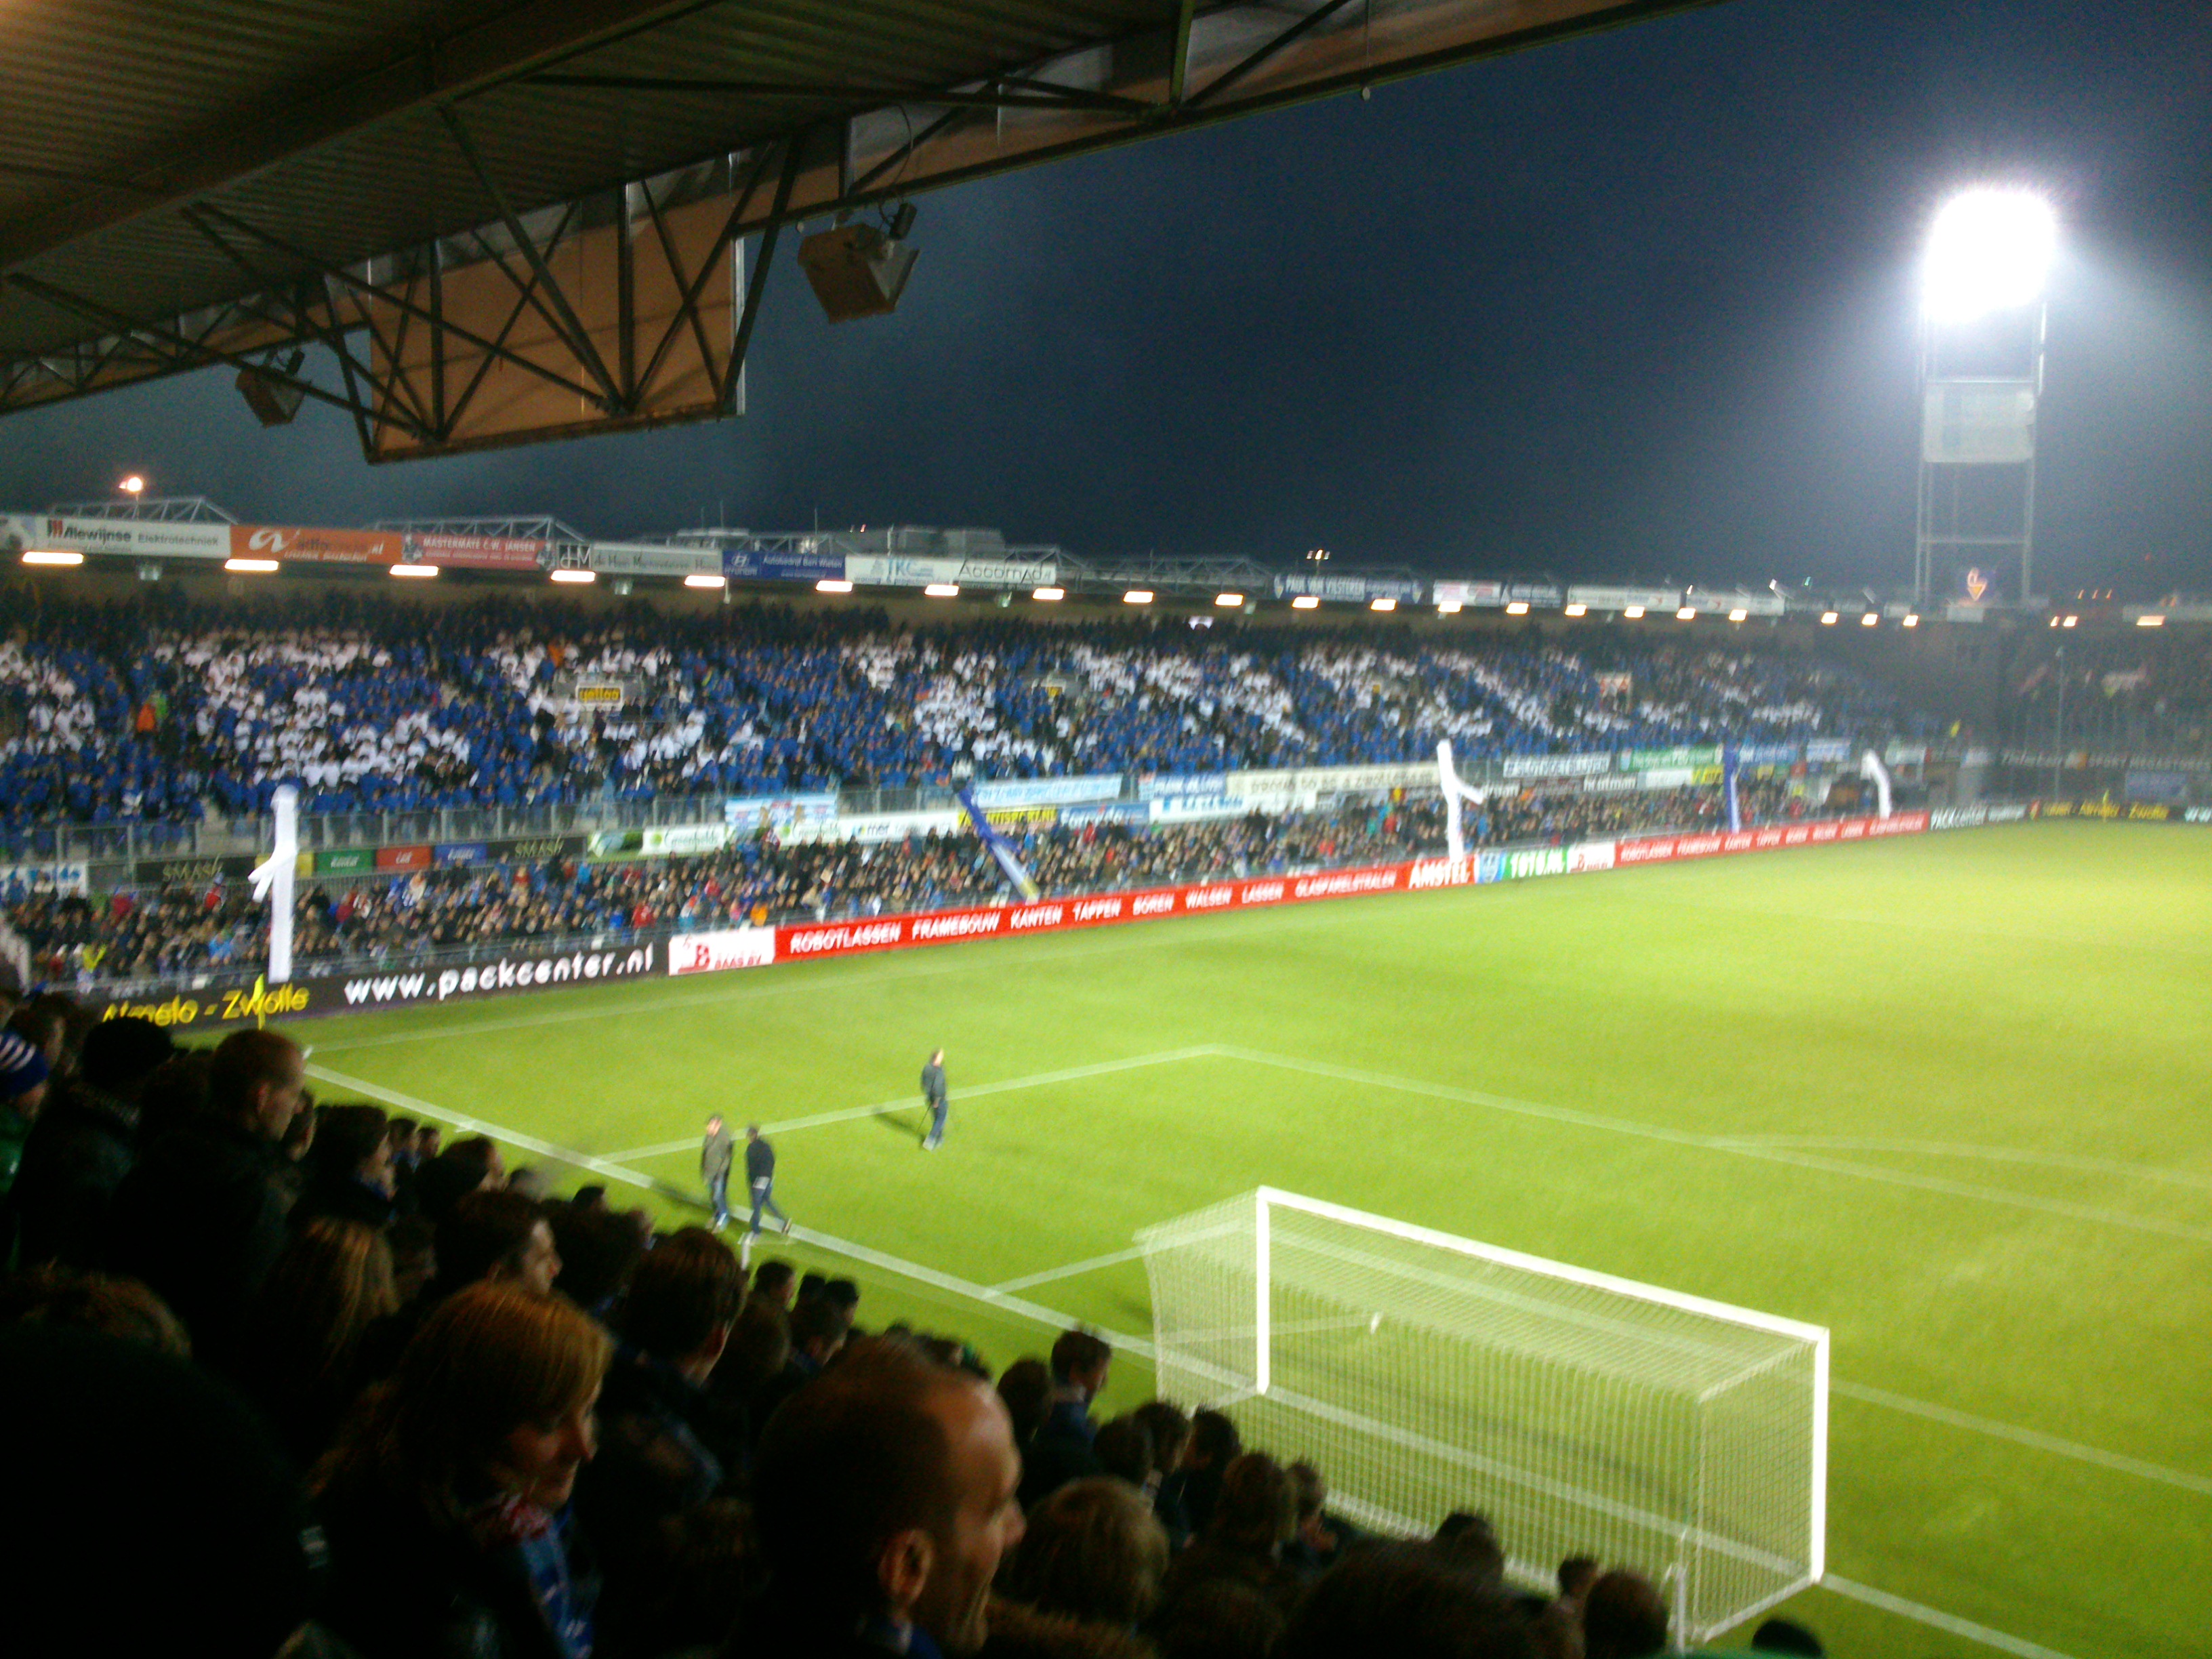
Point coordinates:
[[184, 182]]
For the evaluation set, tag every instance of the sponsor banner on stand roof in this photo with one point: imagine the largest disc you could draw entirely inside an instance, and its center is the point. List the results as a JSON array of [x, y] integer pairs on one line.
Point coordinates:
[[1049, 791], [1494, 594], [755, 564], [1625, 598], [475, 552], [652, 559], [1554, 766], [1348, 587], [892, 570], [150, 536], [870, 829], [1719, 601], [299, 545]]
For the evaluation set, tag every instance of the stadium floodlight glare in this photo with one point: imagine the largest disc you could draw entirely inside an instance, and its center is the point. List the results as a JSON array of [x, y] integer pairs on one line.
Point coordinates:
[[133, 486], [1228, 601], [575, 576], [2070, 622], [833, 585], [2150, 621], [1576, 610], [1911, 620], [942, 590], [1049, 595], [1687, 613], [414, 572], [700, 579], [51, 555], [1381, 605], [250, 567], [1305, 601], [1871, 619], [1827, 619], [1738, 614], [1137, 596], [1634, 613], [1518, 608], [1989, 250], [1448, 607]]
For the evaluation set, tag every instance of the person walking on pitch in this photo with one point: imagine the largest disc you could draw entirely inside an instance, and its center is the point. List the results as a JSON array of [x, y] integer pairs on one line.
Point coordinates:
[[760, 1174], [716, 1154], [933, 1092]]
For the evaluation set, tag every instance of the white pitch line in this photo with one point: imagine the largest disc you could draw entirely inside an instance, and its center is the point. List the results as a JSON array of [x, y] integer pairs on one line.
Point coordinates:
[[1936, 1619], [1992, 1154], [661, 1150], [1113, 1260], [2048, 1442], [1730, 1144]]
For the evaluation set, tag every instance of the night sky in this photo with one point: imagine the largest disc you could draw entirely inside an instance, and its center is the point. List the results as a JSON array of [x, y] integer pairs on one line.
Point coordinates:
[[1641, 305]]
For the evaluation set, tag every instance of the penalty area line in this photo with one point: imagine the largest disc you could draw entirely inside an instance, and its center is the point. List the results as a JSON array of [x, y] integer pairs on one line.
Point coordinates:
[[1935, 1618]]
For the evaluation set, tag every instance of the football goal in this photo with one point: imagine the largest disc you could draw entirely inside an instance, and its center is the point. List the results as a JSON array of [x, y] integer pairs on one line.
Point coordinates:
[[1584, 1415]]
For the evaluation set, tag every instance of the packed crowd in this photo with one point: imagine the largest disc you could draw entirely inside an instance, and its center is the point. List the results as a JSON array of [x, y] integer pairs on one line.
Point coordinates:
[[300, 1380], [183, 928], [167, 708]]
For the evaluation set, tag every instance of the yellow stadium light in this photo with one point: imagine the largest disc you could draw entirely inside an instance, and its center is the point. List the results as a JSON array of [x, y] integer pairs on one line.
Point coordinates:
[[1687, 613], [414, 572], [833, 585], [133, 486], [1230, 600], [2070, 622], [1449, 608], [1305, 601], [1381, 605], [251, 567], [576, 576], [1634, 613], [1827, 619], [2140, 622], [943, 590], [1137, 596], [1050, 595], [1518, 608], [700, 579], [1738, 614], [1869, 620], [1576, 611], [51, 555], [1911, 620]]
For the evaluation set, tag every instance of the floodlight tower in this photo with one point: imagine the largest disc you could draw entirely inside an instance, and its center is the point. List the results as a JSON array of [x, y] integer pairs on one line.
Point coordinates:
[[1982, 320]]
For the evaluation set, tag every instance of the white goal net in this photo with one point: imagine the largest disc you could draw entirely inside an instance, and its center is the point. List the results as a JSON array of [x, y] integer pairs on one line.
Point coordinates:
[[1583, 1414]]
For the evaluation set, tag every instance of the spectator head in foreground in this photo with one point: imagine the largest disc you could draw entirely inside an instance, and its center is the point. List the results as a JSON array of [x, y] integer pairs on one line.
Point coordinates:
[[1624, 1617], [121, 1053], [1258, 1509], [159, 1510], [1470, 1543], [1406, 1600], [1123, 1448], [1093, 1550], [498, 1235], [683, 1300], [885, 1495], [106, 1302], [1080, 1362], [258, 1081], [1576, 1574], [775, 1282], [1025, 1389], [600, 1248]]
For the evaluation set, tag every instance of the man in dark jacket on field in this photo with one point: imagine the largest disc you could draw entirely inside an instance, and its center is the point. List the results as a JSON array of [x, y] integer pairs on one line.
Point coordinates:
[[82, 1146], [201, 1219]]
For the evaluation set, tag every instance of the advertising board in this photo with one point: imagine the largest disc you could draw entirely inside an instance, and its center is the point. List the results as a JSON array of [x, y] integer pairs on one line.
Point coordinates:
[[892, 570], [1494, 594], [1554, 766], [1625, 598], [756, 565], [27, 879], [1359, 588], [1049, 791], [722, 950], [152, 538], [748, 815]]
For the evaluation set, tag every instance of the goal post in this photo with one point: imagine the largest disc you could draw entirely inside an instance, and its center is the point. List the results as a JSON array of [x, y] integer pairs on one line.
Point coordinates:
[[1585, 1414]]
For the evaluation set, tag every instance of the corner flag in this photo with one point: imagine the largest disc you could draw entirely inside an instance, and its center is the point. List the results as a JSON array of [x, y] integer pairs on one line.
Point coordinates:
[[1000, 849]]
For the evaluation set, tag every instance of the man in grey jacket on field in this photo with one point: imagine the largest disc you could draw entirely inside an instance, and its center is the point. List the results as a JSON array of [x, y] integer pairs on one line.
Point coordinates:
[[933, 1092], [716, 1155]]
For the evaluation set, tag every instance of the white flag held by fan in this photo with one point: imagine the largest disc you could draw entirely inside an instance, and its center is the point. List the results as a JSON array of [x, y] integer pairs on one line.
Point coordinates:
[[272, 881]]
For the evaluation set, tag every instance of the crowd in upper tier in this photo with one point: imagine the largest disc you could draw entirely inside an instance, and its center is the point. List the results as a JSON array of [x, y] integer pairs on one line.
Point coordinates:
[[290, 1381], [168, 708], [179, 929]]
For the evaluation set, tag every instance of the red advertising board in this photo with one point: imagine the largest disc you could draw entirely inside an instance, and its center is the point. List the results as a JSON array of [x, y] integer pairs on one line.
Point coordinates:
[[402, 858], [747, 947], [300, 544]]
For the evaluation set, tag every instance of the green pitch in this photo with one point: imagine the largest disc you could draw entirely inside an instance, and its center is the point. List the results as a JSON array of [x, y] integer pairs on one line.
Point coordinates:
[[1946, 1095]]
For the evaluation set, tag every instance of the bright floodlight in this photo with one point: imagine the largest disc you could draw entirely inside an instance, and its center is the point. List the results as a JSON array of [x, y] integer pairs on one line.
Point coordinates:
[[131, 486], [1989, 250]]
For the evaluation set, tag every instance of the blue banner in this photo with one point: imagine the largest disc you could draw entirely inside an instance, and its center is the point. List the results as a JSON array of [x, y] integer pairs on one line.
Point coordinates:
[[999, 847], [760, 564], [461, 852]]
